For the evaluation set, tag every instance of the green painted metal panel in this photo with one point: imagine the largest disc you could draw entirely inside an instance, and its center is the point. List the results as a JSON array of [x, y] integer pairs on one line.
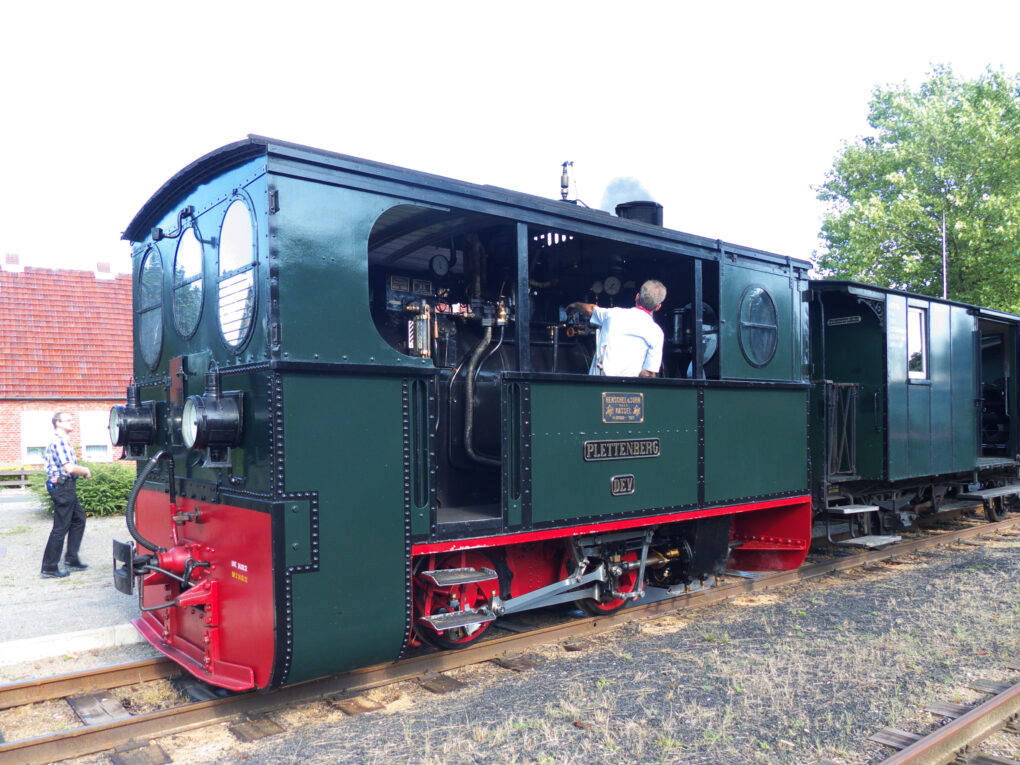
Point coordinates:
[[323, 274], [297, 535], [964, 389], [942, 416], [564, 417], [735, 281], [897, 443], [755, 442], [343, 439], [919, 437]]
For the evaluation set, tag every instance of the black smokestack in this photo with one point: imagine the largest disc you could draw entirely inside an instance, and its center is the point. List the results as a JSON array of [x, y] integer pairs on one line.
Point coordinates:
[[629, 199], [647, 212]]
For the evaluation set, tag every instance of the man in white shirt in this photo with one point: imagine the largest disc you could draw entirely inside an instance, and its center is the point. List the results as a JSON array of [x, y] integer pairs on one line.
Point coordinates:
[[629, 342]]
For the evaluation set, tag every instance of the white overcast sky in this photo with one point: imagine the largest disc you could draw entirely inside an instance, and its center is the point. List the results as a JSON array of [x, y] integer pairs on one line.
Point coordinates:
[[727, 113]]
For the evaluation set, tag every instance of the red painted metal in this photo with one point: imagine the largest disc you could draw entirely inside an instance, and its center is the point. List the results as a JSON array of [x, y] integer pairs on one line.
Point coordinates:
[[221, 629], [535, 565], [792, 524], [772, 539]]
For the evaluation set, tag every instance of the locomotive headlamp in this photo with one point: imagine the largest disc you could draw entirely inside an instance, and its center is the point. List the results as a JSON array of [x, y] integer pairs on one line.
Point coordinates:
[[213, 420], [133, 424]]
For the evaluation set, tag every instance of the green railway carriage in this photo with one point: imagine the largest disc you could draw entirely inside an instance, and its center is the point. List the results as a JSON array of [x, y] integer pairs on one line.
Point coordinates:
[[914, 403], [363, 417]]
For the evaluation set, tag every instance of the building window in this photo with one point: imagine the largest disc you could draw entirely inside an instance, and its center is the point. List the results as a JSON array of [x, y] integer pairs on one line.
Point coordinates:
[[36, 432], [917, 343], [95, 436], [96, 453]]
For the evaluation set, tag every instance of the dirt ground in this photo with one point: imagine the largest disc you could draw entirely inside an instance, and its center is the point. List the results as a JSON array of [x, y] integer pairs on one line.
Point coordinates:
[[799, 676]]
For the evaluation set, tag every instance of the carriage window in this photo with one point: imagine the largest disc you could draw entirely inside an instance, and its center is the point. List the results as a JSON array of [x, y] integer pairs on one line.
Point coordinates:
[[187, 298], [917, 345], [759, 327], [237, 274], [150, 307]]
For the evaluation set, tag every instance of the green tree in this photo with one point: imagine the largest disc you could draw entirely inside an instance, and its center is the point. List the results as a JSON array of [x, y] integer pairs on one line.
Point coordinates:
[[949, 151]]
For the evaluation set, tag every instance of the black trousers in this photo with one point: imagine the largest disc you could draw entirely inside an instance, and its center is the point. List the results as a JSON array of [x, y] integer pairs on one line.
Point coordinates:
[[68, 521]]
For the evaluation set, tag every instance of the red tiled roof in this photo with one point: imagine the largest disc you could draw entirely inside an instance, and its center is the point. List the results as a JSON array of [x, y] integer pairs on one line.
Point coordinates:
[[64, 334]]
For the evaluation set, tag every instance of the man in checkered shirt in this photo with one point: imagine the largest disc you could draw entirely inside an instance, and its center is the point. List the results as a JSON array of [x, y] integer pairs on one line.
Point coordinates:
[[62, 470]]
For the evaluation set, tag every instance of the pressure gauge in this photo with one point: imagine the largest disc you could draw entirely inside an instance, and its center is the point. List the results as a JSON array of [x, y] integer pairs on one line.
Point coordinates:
[[612, 285], [597, 287], [440, 265]]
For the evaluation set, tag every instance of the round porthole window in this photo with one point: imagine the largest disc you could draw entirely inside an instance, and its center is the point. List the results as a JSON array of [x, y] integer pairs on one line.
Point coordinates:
[[187, 298], [149, 307], [759, 328], [237, 260]]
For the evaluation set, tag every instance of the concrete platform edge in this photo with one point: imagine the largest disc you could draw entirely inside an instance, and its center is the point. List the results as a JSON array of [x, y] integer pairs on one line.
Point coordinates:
[[48, 646]]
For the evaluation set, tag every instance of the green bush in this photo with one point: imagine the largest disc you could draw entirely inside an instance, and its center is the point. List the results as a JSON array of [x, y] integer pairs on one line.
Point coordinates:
[[105, 493]]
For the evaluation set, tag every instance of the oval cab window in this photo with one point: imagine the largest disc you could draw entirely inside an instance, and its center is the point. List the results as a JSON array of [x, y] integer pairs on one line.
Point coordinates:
[[187, 299], [150, 307], [759, 328], [237, 274]]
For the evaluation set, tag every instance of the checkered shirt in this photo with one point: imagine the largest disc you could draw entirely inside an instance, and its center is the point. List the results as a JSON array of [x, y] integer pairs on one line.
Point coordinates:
[[58, 453]]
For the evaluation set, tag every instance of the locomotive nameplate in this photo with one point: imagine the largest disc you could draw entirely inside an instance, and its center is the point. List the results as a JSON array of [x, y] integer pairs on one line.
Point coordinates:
[[630, 449], [621, 485], [623, 407]]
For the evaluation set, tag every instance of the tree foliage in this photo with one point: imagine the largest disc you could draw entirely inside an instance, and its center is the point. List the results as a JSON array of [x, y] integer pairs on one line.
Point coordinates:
[[950, 149]]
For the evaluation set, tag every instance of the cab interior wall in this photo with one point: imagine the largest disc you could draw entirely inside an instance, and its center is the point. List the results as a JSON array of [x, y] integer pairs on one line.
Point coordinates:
[[409, 244]]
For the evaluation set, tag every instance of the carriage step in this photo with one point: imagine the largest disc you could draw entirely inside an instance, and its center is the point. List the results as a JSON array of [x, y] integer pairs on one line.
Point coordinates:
[[851, 509], [452, 577], [872, 542], [996, 491], [455, 619]]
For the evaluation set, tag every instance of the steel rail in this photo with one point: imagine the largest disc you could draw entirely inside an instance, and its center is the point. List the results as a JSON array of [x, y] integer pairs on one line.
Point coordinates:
[[95, 738], [941, 746], [95, 679]]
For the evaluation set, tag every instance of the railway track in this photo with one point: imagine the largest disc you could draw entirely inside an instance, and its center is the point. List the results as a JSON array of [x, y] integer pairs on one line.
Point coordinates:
[[98, 737], [957, 741]]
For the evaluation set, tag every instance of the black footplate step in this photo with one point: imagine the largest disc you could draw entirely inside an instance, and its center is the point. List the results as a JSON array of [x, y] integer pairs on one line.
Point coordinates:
[[452, 577], [996, 491], [456, 619]]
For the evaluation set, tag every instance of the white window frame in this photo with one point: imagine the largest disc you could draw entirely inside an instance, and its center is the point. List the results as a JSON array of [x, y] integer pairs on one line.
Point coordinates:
[[36, 432], [94, 432], [917, 341]]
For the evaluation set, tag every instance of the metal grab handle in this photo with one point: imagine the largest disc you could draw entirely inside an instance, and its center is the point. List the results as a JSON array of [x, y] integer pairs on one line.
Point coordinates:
[[878, 425]]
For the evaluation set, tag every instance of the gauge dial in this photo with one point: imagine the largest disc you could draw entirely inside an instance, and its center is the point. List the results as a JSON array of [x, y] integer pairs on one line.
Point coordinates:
[[612, 285], [440, 265], [596, 287]]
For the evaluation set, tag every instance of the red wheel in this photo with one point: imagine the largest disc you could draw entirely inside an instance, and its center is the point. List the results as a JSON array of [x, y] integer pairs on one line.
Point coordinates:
[[431, 600], [626, 582]]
